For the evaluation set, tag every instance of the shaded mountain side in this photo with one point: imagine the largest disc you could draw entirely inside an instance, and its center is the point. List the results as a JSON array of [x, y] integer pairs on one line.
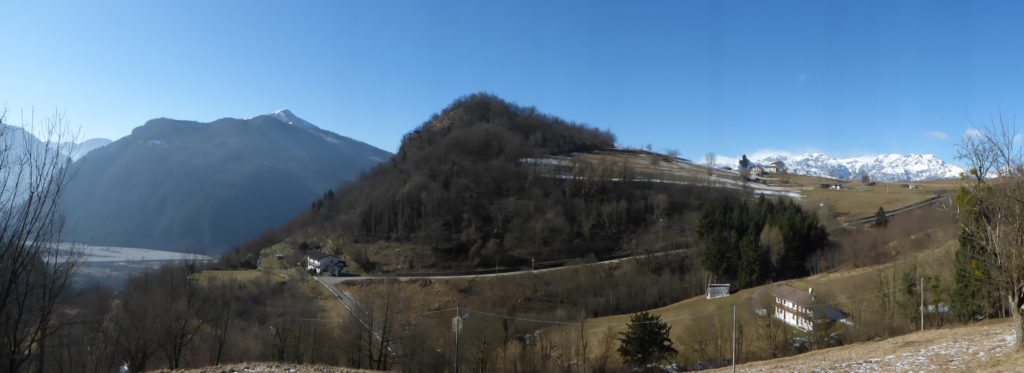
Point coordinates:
[[459, 186], [180, 185], [79, 150]]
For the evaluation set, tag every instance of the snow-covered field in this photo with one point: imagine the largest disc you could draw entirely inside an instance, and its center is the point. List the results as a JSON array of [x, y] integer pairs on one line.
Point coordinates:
[[95, 254]]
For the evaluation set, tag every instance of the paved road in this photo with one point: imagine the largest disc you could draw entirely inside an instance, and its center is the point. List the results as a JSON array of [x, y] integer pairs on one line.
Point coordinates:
[[338, 280], [900, 210], [358, 312]]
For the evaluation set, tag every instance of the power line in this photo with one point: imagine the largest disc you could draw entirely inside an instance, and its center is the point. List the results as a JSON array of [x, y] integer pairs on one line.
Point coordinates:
[[436, 311], [523, 319]]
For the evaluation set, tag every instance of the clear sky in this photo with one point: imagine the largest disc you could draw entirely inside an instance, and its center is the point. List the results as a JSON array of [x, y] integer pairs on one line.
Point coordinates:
[[847, 78]]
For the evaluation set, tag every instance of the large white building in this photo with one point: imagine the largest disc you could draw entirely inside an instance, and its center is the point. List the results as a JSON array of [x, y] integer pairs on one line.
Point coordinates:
[[797, 308], [318, 262], [777, 167], [791, 306]]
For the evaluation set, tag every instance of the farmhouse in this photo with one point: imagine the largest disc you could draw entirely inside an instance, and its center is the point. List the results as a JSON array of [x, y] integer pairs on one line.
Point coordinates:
[[797, 308], [318, 262], [777, 167]]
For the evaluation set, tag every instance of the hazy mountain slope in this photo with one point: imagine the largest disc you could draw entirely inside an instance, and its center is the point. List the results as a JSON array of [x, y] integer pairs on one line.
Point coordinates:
[[181, 185], [21, 156], [84, 147], [885, 167]]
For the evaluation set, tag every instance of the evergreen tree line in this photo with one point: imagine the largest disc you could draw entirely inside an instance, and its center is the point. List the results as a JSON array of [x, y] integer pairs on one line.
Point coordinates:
[[749, 243]]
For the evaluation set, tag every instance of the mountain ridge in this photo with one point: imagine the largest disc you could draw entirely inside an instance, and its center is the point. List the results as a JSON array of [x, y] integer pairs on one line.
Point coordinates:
[[891, 167], [186, 185]]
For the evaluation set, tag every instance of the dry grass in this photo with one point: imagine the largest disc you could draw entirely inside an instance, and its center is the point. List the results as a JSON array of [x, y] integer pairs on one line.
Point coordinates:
[[859, 200], [862, 201], [982, 347], [853, 290], [241, 275], [333, 309]]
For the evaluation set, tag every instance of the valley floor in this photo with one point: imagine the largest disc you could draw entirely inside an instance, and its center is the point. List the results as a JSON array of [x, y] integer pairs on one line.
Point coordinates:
[[982, 347]]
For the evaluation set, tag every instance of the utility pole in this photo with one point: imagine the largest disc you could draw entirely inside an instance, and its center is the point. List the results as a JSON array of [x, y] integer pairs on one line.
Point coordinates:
[[734, 338], [922, 303], [583, 347], [892, 299], [457, 328]]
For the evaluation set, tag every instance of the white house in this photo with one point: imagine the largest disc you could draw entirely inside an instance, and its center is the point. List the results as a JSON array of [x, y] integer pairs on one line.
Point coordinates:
[[791, 307], [777, 167], [797, 308], [318, 262]]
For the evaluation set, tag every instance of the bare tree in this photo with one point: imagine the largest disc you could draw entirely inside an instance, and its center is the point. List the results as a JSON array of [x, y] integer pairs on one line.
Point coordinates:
[[222, 318], [81, 344], [132, 326], [34, 274], [182, 310], [384, 323], [995, 209], [975, 148], [709, 160], [291, 320]]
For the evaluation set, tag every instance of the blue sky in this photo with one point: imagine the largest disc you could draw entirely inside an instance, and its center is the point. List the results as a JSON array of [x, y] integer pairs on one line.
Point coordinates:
[[847, 78]]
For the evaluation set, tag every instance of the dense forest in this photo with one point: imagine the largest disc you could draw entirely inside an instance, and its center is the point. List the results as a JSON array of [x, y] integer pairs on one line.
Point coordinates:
[[459, 185], [751, 243]]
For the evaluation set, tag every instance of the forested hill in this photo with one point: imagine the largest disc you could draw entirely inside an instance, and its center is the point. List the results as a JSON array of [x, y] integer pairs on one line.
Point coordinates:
[[459, 191]]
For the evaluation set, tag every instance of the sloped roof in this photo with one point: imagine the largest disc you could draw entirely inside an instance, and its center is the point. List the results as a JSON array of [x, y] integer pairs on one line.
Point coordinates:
[[317, 255], [794, 295], [824, 311]]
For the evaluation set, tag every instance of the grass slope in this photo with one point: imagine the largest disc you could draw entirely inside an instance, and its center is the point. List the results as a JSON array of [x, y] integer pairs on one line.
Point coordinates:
[[982, 347], [697, 320]]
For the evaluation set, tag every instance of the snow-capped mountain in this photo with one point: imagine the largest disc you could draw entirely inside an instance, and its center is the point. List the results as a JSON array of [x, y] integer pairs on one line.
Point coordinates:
[[885, 167], [288, 117]]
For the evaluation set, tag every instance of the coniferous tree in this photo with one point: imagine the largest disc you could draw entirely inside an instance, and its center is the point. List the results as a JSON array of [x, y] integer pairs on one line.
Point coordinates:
[[725, 222], [646, 341], [968, 286], [752, 259], [971, 295], [880, 219], [744, 163]]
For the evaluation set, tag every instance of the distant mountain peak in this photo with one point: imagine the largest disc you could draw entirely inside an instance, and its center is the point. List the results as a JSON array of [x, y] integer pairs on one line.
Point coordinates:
[[287, 117], [882, 167], [182, 185]]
